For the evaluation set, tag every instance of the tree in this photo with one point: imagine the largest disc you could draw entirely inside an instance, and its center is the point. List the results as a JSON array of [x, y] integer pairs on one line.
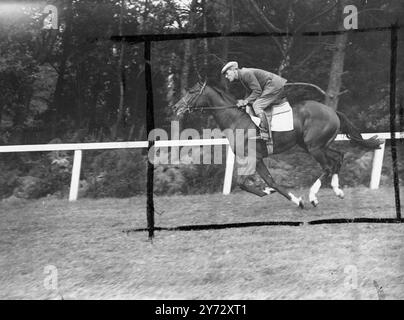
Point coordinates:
[[65, 50], [121, 76], [188, 49], [337, 62]]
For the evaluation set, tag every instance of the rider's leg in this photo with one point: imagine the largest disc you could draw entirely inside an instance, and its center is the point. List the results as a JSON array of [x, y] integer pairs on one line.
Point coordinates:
[[259, 106], [264, 126], [269, 123], [269, 96]]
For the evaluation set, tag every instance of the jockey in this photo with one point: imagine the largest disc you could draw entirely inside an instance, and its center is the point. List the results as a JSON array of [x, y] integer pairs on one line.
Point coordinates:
[[266, 89]]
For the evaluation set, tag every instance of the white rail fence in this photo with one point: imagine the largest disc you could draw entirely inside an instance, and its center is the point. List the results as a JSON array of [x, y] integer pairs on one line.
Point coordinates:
[[230, 157]]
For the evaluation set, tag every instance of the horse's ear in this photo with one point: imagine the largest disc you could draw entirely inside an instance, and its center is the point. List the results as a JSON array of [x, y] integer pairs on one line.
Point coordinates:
[[199, 76]]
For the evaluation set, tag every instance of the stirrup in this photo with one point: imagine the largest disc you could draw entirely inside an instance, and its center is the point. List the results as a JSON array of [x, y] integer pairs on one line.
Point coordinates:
[[270, 146], [264, 135]]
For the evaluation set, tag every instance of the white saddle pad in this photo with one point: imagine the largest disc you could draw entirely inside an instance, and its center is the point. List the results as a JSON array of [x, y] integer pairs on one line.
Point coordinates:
[[282, 118]]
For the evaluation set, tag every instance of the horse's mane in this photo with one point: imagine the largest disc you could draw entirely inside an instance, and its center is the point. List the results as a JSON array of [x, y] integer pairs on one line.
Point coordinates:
[[218, 87]]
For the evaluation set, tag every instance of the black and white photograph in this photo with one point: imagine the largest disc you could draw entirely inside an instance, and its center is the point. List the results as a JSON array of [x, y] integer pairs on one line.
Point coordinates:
[[204, 150]]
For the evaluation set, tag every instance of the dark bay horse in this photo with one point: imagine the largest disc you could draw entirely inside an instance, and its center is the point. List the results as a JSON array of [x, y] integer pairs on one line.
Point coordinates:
[[315, 128]]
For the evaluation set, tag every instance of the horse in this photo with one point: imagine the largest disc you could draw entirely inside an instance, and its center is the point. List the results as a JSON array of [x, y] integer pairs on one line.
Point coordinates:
[[316, 126]]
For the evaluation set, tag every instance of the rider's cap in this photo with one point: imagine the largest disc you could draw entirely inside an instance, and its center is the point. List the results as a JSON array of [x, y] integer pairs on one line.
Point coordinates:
[[231, 64]]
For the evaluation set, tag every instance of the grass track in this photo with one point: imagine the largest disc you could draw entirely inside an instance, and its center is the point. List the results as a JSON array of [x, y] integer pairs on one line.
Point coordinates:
[[96, 260]]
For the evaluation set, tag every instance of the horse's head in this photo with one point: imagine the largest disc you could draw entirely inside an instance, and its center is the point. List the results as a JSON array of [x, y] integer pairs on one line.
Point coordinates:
[[188, 103]]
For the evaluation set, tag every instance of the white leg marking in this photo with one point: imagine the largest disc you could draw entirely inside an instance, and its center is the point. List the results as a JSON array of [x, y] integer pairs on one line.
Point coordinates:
[[294, 199], [268, 190], [335, 186], [313, 191]]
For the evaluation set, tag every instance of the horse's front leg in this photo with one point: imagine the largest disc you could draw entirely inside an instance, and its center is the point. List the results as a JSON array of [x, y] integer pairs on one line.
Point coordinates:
[[243, 183], [245, 171], [264, 173]]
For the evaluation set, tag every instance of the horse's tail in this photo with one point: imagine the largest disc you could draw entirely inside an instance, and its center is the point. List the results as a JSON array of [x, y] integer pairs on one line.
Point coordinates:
[[354, 135]]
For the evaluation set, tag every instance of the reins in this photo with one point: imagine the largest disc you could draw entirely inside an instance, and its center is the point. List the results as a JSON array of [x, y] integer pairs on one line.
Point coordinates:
[[200, 108], [216, 108]]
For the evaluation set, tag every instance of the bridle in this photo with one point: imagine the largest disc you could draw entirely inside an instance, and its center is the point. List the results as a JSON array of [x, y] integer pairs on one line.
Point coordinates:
[[193, 98]]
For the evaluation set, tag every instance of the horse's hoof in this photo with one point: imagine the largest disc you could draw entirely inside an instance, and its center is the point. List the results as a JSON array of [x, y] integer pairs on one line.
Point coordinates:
[[314, 203], [339, 193]]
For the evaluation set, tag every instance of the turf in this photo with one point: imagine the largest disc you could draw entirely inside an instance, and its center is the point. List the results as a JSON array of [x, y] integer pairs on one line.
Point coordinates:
[[96, 259]]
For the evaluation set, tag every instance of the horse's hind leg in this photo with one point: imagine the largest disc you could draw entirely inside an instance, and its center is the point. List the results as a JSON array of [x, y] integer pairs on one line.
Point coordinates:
[[266, 176], [335, 170], [321, 157]]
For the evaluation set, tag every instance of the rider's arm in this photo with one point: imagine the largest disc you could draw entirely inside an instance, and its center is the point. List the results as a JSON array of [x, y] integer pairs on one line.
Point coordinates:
[[251, 81]]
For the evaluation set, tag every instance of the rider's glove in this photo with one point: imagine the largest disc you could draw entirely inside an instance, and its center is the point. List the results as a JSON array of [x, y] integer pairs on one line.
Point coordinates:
[[241, 103]]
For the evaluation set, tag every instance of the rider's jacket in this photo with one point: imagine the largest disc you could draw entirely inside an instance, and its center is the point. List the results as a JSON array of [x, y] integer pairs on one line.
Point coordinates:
[[256, 80]]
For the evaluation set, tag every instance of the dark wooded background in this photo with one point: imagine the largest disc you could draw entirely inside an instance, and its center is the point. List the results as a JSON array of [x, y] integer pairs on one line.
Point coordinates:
[[75, 85]]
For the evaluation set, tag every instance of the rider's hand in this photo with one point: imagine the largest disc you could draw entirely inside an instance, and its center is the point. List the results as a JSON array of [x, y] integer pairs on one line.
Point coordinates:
[[241, 103]]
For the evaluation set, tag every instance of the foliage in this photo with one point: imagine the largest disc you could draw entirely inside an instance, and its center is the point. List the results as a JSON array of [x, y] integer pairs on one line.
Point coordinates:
[[65, 84], [117, 173]]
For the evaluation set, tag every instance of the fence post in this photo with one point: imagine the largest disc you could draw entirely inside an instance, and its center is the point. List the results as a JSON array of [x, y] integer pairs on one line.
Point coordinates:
[[74, 184], [228, 175], [377, 167]]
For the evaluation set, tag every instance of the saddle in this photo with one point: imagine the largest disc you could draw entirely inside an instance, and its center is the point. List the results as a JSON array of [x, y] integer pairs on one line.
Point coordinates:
[[279, 116]]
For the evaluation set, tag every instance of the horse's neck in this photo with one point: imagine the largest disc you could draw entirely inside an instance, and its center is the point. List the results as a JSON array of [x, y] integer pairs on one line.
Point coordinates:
[[222, 118], [228, 118], [231, 119]]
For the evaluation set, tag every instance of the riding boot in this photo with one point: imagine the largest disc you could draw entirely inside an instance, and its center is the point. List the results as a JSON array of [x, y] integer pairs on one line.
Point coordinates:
[[264, 126]]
